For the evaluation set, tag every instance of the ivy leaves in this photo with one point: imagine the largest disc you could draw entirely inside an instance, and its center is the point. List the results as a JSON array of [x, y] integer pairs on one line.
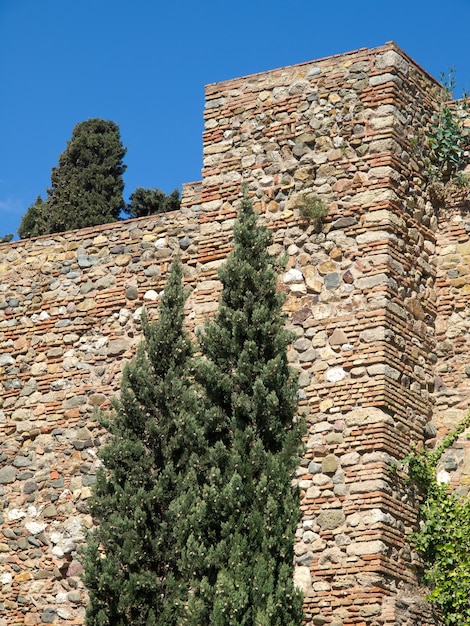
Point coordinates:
[[444, 538]]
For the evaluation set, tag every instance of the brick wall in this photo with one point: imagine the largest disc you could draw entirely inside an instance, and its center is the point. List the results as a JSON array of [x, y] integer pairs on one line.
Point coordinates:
[[362, 299]]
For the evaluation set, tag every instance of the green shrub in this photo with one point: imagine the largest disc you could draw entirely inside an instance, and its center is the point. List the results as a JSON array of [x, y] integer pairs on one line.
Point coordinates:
[[311, 209]]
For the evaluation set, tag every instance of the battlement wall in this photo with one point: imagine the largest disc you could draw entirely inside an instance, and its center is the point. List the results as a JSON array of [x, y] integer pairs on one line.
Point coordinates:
[[371, 325]]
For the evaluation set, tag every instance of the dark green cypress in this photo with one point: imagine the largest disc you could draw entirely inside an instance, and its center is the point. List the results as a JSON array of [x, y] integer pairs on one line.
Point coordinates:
[[240, 524], [149, 201], [130, 559], [87, 184], [35, 221]]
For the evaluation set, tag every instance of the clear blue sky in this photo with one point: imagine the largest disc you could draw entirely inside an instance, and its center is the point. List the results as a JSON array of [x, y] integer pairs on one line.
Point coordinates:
[[144, 64]]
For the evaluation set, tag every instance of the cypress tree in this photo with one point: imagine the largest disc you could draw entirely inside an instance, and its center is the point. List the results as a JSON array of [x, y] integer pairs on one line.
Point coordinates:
[[87, 184], [130, 559], [149, 201], [35, 221], [239, 525]]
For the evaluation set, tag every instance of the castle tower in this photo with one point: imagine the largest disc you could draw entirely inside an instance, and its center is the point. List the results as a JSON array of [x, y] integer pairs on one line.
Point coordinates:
[[360, 299]]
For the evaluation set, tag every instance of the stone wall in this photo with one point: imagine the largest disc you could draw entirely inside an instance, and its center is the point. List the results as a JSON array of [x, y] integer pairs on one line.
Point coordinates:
[[452, 369], [69, 318], [362, 299]]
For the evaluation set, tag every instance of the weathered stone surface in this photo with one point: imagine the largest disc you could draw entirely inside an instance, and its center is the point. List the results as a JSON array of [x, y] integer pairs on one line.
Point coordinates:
[[338, 337], [391, 58], [50, 511], [302, 578], [117, 347], [305, 559], [335, 375], [6, 359], [48, 616], [366, 548], [132, 293], [329, 519], [35, 528], [312, 280], [372, 281], [330, 464], [8, 474], [293, 276]]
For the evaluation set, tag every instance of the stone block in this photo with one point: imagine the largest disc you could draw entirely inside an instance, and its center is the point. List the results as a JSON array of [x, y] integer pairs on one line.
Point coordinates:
[[366, 548], [330, 464], [329, 519], [302, 578], [8, 474], [391, 58]]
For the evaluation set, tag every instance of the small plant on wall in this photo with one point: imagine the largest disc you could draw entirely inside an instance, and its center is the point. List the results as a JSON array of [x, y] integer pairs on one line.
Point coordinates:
[[444, 147], [312, 209], [447, 140]]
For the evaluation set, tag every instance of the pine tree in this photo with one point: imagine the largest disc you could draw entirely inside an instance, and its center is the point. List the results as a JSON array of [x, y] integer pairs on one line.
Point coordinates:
[[130, 559], [239, 526]]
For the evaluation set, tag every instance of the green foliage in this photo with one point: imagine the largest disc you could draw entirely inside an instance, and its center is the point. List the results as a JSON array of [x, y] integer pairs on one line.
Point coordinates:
[[6, 238], [444, 537], [239, 523], [196, 510], [312, 209], [35, 221], [87, 183], [447, 142], [448, 139], [151, 201], [130, 560]]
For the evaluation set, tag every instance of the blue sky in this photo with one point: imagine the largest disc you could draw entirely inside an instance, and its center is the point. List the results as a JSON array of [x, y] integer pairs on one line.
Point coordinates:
[[144, 64]]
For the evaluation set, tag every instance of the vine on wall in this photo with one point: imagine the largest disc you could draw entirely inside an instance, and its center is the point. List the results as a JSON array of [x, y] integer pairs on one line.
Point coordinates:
[[443, 540]]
